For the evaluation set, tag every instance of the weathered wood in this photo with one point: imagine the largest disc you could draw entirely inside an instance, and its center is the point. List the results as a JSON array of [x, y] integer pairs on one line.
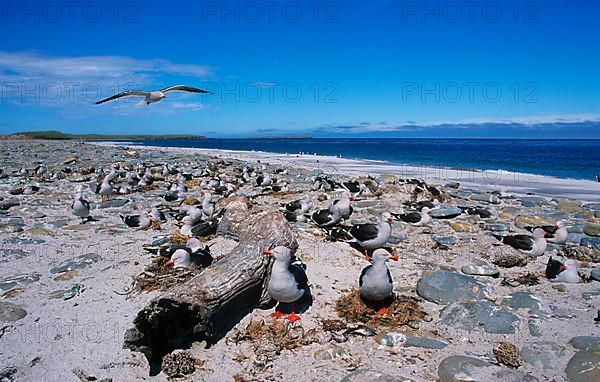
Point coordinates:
[[210, 304]]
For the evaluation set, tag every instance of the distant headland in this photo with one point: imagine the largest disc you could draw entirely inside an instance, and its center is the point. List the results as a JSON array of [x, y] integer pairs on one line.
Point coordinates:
[[58, 135]]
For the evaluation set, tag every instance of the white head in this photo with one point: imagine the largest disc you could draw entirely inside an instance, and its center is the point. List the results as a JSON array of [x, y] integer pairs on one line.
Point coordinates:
[[386, 217], [282, 254], [194, 244], [539, 233], [560, 224], [347, 195], [426, 210], [179, 259], [571, 264], [381, 255]]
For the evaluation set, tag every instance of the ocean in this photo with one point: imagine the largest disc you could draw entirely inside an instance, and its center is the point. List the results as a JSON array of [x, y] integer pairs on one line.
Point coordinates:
[[574, 159]]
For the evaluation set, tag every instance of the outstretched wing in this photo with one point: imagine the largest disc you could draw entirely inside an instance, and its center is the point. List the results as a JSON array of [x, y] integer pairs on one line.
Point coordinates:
[[183, 88], [129, 93]]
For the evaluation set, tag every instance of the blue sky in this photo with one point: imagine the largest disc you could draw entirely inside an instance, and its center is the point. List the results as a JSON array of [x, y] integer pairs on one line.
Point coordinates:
[[320, 68]]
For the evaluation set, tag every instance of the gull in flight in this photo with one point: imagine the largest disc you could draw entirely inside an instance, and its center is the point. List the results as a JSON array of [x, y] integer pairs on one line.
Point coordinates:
[[154, 95]]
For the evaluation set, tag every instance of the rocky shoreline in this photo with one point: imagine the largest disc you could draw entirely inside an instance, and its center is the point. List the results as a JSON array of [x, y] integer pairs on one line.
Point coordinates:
[[491, 314]]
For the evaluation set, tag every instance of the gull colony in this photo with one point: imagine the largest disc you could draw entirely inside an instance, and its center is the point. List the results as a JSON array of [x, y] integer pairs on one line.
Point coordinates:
[[191, 198]]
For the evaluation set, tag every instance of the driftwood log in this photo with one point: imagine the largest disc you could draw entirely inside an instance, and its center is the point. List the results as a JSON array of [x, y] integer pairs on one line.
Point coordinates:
[[207, 306]]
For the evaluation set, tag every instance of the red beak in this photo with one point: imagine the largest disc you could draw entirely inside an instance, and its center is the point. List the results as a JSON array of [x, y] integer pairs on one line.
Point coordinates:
[[267, 252], [394, 255], [169, 263], [389, 220], [562, 267], [351, 198], [546, 235], [367, 258]]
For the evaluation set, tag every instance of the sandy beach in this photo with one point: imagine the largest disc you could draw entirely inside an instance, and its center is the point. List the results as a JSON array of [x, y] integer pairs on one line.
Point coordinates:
[[69, 296]]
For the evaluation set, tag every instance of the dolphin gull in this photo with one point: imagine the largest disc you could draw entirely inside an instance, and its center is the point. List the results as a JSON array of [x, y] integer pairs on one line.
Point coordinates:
[[288, 282], [375, 282], [154, 95]]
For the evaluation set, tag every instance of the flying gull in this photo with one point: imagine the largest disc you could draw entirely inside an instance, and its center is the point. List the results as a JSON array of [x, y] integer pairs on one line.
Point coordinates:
[[154, 95]]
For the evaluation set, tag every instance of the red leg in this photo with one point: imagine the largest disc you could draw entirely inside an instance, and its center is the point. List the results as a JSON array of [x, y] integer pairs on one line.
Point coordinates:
[[383, 311], [277, 314], [293, 317]]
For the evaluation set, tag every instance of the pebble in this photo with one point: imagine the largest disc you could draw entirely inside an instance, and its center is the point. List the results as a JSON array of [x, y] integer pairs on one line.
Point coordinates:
[[464, 227], [330, 353], [521, 300], [534, 330], [18, 280], [531, 201], [370, 375], [543, 353], [461, 368], [448, 287], [10, 312], [79, 262], [592, 229], [480, 270], [585, 343], [443, 241], [479, 314], [8, 203], [590, 294], [595, 275], [592, 242], [584, 366], [489, 198], [446, 213]]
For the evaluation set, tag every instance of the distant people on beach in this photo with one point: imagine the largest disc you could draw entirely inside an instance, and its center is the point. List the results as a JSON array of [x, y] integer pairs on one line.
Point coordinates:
[[598, 178]]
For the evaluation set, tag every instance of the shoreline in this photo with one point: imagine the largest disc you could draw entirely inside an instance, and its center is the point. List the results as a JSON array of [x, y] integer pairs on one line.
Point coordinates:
[[489, 180]]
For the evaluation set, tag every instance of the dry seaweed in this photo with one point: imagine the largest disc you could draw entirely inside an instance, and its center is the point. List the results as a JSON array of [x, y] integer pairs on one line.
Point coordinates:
[[528, 279], [180, 363], [281, 333], [404, 310], [507, 354], [158, 277], [178, 238], [580, 253]]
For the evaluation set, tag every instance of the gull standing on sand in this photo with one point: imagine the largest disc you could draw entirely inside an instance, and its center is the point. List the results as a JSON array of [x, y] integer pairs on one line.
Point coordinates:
[[375, 283], [372, 236], [80, 207], [153, 95], [288, 282]]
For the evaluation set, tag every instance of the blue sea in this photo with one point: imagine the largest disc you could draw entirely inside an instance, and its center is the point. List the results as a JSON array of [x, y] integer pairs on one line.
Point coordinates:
[[575, 159]]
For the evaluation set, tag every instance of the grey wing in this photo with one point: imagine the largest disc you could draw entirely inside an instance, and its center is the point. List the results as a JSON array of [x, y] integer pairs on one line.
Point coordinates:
[[129, 93], [183, 88]]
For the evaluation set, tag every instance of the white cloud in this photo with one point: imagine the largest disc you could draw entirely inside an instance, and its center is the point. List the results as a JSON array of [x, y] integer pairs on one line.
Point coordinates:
[[34, 78]]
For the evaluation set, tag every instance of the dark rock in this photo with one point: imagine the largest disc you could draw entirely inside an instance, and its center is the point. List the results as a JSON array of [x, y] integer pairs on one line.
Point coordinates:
[[479, 314], [8, 203], [443, 241], [543, 353], [370, 375], [595, 275], [449, 287], [584, 367], [480, 270], [521, 300], [10, 312], [586, 343], [79, 262], [446, 213], [461, 368], [592, 242]]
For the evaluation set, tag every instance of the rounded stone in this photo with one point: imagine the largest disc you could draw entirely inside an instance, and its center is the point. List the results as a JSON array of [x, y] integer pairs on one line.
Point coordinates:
[[448, 287]]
